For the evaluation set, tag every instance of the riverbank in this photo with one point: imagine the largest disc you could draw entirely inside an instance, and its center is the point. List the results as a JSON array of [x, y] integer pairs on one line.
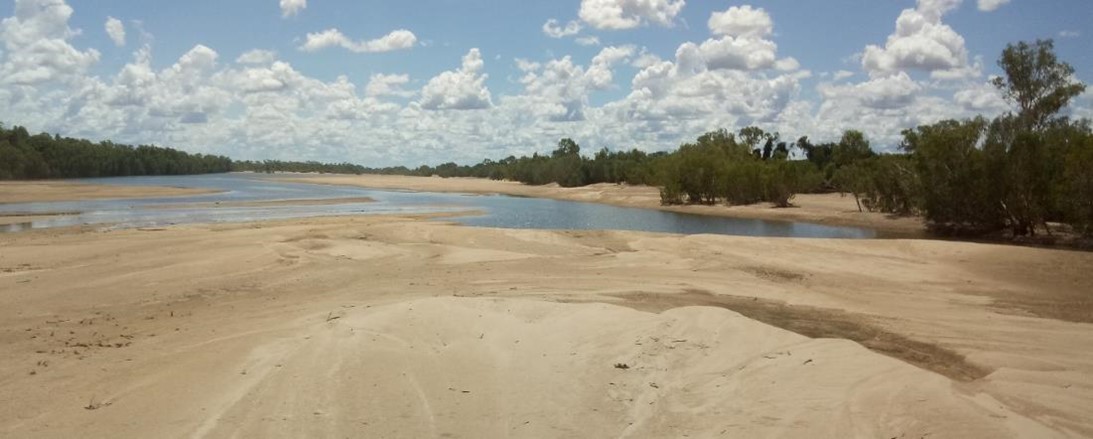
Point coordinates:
[[57, 190], [829, 209], [394, 326]]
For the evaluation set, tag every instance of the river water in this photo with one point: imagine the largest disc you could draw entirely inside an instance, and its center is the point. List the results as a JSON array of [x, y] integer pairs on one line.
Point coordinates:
[[494, 210]]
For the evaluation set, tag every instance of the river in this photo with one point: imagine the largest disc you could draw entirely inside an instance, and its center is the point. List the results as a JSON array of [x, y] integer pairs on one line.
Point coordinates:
[[491, 210]]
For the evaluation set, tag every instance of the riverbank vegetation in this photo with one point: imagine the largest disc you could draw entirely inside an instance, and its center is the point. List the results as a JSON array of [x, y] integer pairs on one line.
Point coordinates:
[[25, 157]]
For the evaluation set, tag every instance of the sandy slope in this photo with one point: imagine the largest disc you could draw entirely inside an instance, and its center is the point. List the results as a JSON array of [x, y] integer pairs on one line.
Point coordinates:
[[54, 190], [831, 209], [397, 327]]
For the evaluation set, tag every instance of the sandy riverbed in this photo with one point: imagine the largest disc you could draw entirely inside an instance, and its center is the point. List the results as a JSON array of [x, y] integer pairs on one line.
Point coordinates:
[[54, 190], [400, 327], [831, 209]]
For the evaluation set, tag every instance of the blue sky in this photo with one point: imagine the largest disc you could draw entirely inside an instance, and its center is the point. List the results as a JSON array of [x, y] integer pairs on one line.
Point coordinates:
[[468, 79]]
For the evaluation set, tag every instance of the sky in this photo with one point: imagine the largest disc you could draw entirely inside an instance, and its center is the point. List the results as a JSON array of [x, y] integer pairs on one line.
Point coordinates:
[[409, 82]]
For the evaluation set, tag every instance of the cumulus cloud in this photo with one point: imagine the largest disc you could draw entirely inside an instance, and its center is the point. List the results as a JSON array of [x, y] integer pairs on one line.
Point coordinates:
[[257, 56], [629, 14], [554, 29], [558, 90], [388, 85], [739, 43], [991, 5], [116, 31], [738, 53], [36, 44], [983, 98], [292, 7], [462, 89], [921, 42], [396, 40], [741, 21], [890, 92]]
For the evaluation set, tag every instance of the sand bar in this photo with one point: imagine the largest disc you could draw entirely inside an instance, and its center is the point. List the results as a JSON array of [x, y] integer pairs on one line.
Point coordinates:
[[53, 190]]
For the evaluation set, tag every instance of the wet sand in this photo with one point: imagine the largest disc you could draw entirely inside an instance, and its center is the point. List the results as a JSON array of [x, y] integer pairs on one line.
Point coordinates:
[[399, 327], [56, 190]]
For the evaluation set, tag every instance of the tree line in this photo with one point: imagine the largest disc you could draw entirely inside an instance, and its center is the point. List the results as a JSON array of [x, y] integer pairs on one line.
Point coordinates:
[[1018, 172], [25, 156], [273, 166]]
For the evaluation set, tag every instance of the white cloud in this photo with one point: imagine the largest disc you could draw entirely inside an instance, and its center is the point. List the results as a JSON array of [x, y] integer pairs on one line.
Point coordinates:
[[462, 89], [558, 91], [738, 53], [292, 7], [981, 98], [1069, 34], [645, 59], [921, 42], [740, 43], [890, 92], [991, 5], [36, 43], [396, 40], [841, 75], [629, 14], [588, 40], [554, 29], [257, 56], [742, 21], [116, 31], [388, 85]]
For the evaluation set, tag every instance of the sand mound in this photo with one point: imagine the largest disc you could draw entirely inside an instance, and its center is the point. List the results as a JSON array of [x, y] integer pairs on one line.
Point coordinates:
[[456, 367]]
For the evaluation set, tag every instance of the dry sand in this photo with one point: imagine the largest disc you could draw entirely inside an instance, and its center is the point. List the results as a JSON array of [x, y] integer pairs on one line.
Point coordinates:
[[52, 190], [831, 209], [400, 327]]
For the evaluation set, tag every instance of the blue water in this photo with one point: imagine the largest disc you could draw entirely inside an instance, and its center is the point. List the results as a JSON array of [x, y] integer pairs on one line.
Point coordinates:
[[495, 210]]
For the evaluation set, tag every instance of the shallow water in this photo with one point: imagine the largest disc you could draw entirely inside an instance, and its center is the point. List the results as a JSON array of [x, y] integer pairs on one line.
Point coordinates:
[[496, 210]]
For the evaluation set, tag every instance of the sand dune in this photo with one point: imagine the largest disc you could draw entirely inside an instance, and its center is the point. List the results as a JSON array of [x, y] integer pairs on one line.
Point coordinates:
[[398, 327]]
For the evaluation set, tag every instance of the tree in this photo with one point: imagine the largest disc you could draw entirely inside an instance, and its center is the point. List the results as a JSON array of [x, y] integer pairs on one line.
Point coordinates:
[[852, 147], [956, 192], [566, 147], [1036, 81]]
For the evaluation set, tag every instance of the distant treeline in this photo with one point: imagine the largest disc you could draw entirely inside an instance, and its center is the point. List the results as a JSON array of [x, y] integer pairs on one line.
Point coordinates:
[[23, 156], [271, 166]]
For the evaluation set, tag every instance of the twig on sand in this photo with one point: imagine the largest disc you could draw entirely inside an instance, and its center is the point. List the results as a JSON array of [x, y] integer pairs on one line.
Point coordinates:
[[92, 405]]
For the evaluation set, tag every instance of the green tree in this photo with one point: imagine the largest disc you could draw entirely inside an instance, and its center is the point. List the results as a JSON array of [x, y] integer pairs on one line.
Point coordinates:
[[1036, 81], [852, 147]]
